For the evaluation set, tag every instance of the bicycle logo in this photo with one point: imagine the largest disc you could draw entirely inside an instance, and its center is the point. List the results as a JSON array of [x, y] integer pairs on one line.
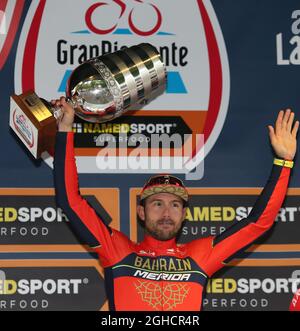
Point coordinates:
[[123, 8]]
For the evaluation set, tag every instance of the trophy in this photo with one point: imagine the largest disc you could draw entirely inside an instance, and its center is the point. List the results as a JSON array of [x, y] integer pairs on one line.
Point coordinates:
[[100, 90]]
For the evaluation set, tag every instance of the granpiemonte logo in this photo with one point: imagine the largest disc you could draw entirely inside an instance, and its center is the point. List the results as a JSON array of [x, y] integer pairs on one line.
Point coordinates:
[[198, 75]]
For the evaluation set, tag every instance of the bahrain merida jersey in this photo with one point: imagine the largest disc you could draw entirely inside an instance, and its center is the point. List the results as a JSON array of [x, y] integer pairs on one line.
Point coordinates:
[[158, 275], [295, 303]]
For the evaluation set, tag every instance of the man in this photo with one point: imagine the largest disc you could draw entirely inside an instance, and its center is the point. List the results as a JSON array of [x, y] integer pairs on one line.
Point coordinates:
[[158, 274]]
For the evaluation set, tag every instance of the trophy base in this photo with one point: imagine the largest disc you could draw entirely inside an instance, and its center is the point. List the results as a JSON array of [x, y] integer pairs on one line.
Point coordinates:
[[33, 122]]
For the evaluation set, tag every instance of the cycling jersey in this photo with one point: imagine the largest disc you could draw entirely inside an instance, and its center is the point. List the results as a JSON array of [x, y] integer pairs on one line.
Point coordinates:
[[295, 304], [158, 275]]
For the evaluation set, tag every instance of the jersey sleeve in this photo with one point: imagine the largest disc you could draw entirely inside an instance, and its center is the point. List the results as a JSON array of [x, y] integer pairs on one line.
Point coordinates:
[[243, 233], [295, 303], [84, 220]]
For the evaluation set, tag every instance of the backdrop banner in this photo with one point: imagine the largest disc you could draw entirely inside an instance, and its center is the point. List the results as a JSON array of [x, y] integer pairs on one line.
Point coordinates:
[[231, 66]]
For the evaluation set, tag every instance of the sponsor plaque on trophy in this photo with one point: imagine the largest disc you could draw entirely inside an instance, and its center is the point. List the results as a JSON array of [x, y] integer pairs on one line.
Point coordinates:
[[33, 122]]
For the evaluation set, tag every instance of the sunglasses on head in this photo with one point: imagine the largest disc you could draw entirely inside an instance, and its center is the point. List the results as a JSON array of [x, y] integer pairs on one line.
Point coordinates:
[[164, 180]]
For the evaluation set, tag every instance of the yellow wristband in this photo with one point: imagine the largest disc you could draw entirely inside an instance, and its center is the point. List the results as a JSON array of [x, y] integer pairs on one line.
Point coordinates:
[[284, 163]]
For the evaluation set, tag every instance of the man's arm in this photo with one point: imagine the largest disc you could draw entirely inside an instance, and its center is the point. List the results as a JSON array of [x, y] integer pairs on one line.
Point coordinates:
[[263, 214], [236, 238], [84, 220], [295, 304]]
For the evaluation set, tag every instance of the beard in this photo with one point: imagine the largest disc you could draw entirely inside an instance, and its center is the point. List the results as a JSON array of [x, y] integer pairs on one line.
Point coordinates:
[[163, 230]]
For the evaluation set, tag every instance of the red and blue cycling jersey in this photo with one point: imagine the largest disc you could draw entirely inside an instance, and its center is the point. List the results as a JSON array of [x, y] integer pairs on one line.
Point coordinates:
[[158, 275], [295, 304]]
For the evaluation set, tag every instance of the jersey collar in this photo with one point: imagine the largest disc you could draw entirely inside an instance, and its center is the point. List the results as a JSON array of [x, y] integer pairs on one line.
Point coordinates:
[[155, 244]]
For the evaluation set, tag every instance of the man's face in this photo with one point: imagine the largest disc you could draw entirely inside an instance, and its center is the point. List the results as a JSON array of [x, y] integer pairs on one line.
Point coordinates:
[[163, 215]]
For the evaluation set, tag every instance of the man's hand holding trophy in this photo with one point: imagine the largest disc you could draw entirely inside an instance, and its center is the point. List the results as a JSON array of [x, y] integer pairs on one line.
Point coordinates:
[[99, 90]]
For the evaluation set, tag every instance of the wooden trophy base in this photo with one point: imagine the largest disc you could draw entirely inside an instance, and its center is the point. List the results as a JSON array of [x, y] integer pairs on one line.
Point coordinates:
[[33, 123]]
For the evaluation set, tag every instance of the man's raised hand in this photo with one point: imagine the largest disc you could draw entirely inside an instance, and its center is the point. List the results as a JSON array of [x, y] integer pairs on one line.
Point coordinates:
[[283, 137], [65, 121]]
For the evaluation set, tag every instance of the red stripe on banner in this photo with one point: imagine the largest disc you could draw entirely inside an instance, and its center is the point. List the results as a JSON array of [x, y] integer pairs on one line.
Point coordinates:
[[3, 4], [216, 83], [13, 27], [28, 79]]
